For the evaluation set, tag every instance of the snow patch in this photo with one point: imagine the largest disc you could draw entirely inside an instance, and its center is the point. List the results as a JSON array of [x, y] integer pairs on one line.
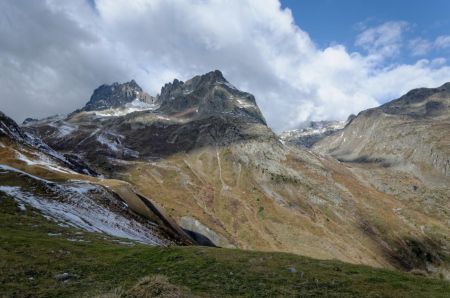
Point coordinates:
[[43, 161], [79, 210], [11, 169], [66, 129], [244, 104], [131, 107], [112, 145]]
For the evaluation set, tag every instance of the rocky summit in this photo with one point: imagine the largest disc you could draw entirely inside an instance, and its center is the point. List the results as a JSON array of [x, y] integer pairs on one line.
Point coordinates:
[[203, 153], [116, 95], [207, 95]]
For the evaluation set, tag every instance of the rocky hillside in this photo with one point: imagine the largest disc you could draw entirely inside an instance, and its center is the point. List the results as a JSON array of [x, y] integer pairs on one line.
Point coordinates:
[[40, 179], [410, 132], [204, 153]]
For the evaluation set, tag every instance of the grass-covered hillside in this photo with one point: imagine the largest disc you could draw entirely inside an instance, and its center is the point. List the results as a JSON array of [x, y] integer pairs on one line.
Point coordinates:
[[40, 258]]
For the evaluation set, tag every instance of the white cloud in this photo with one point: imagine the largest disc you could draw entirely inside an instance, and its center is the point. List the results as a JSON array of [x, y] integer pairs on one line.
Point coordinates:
[[420, 46], [442, 42], [72, 48], [384, 40]]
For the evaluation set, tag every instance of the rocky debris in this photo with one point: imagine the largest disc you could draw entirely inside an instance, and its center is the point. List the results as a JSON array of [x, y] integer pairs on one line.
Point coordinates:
[[116, 95], [292, 270], [62, 276], [307, 136]]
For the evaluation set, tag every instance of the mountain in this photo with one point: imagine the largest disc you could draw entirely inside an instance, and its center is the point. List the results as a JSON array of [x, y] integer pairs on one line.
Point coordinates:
[[207, 95], [40, 179], [315, 131], [402, 149], [203, 152], [204, 111], [116, 95], [409, 132]]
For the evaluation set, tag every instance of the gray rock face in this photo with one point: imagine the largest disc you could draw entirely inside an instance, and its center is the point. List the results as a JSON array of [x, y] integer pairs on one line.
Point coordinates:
[[200, 232], [116, 95], [206, 95]]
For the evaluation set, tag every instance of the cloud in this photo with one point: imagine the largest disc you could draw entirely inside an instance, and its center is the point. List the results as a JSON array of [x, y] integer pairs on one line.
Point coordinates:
[[420, 46], [442, 42], [54, 53], [384, 40]]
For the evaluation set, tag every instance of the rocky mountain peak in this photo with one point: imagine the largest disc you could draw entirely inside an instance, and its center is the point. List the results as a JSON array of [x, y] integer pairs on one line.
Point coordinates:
[[206, 95], [115, 95], [171, 90], [213, 76]]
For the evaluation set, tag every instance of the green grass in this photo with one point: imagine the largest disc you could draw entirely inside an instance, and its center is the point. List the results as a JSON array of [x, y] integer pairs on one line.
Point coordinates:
[[30, 258]]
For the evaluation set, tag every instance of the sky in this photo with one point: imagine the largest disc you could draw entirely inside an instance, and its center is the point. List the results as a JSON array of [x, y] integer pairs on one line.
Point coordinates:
[[303, 60]]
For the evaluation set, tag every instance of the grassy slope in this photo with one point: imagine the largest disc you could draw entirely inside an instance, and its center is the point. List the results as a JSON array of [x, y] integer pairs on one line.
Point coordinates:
[[30, 258]]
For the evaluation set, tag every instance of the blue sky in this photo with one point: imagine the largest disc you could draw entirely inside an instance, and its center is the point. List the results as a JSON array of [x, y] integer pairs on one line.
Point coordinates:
[[340, 21]]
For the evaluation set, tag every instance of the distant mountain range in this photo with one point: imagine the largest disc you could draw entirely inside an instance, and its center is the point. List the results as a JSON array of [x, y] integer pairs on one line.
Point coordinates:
[[312, 133], [197, 164]]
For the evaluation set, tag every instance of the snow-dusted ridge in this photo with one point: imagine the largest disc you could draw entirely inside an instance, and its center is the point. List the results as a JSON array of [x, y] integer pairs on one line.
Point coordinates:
[[131, 107], [310, 134], [80, 204]]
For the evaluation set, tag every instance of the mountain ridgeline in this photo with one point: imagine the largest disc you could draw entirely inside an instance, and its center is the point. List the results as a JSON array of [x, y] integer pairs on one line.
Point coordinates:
[[116, 95], [200, 162]]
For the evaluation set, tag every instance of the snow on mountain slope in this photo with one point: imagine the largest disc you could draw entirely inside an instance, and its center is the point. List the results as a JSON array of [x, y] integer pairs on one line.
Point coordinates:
[[315, 131], [80, 204], [44, 183], [131, 107]]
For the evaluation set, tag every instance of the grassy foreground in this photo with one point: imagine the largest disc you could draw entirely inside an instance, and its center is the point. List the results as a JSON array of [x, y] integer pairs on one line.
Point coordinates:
[[40, 258]]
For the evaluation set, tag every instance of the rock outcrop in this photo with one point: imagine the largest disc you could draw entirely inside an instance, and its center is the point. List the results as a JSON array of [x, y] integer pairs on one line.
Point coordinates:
[[116, 95], [206, 95]]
